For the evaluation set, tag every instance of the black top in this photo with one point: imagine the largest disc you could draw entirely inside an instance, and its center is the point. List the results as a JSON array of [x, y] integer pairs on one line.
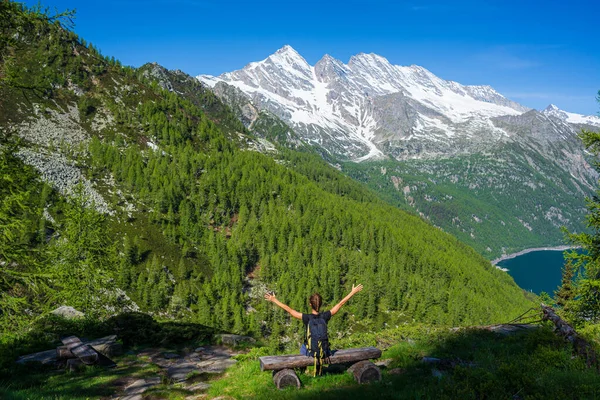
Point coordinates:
[[307, 317]]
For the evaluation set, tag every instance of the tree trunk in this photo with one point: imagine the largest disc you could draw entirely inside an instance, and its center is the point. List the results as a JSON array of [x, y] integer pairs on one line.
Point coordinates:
[[286, 377], [365, 371], [582, 347]]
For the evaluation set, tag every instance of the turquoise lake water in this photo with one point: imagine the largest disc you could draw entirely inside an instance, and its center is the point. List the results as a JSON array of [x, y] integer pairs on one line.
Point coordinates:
[[538, 271]]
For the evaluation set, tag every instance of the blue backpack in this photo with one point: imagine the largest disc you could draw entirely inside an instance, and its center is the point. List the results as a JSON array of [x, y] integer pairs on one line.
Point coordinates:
[[317, 340]]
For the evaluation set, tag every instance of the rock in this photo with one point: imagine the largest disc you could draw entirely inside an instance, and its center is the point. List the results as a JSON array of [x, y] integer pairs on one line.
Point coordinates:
[[197, 386], [221, 365], [431, 360], [396, 371], [67, 312], [44, 357], [384, 363], [234, 340], [180, 372], [170, 356], [109, 349], [193, 357], [199, 349], [135, 390]]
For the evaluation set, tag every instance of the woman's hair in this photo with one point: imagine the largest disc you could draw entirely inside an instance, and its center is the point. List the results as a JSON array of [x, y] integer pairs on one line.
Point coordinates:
[[315, 301]]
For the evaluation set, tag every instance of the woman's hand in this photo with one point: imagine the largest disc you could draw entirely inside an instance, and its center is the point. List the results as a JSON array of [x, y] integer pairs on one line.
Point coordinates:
[[357, 288], [270, 296]]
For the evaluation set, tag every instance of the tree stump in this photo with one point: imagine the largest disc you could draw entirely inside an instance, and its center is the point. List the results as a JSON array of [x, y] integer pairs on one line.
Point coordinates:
[[286, 377], [365, 371]]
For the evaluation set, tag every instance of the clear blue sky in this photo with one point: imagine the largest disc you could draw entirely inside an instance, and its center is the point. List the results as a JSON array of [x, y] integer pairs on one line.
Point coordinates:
[[534, 52]]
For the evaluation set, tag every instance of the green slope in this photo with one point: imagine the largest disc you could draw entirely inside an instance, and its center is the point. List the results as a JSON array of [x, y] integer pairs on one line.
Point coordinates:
[[499, 203]]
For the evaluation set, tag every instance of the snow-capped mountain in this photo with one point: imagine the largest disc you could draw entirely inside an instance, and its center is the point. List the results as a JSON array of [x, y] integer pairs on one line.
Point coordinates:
[[370, 108], [554, 111]]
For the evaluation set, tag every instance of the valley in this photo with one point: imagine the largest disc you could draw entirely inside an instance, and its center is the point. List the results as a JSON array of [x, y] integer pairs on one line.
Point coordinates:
[[162, 207]]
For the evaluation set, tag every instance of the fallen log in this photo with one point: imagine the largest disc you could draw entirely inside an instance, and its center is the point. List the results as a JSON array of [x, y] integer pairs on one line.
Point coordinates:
[[580, 345]]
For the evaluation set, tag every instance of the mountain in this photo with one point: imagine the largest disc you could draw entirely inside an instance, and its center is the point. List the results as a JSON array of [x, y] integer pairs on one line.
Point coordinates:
[[496, 174], [368, 107], [554, 111], [140, 187]]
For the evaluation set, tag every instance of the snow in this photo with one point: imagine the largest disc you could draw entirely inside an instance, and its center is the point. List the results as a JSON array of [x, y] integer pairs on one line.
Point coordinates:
[[285, 78], [570, 117]]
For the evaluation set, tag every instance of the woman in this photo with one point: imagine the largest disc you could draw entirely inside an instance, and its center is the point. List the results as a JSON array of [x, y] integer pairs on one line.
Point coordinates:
[[315, 302]]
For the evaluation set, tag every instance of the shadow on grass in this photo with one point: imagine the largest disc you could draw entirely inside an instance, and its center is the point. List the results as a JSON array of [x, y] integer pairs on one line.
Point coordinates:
[[475, 364], [133, 329]]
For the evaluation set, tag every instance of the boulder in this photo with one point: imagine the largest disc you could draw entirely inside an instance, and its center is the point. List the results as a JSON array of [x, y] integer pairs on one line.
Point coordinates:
[[234, 340], [67, 312]]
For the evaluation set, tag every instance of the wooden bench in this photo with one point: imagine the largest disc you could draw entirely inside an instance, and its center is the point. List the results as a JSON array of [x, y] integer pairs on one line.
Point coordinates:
[[362, 369], [84, 353]]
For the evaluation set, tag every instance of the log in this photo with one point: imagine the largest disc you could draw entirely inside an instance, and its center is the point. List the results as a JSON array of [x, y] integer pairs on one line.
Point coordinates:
[[109, 349], [365, 371], [82, 351], [49, 357], [580, 345], [63, 352], [286, 377], [270, 363]]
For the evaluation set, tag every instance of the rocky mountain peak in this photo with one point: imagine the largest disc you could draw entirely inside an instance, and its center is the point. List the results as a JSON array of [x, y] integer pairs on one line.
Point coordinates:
[[156, 71], [286, 57], [358, 109], [573, 118], [328, 69]]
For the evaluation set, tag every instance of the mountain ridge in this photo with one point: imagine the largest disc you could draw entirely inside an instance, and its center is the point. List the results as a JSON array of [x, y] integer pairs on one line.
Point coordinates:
[[337, 103]]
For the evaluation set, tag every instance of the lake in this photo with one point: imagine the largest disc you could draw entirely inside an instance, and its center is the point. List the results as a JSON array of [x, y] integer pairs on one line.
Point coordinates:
[[538, 271]]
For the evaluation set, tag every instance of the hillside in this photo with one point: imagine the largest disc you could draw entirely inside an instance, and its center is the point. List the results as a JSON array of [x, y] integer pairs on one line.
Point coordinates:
[[495, 174], [155, 200]]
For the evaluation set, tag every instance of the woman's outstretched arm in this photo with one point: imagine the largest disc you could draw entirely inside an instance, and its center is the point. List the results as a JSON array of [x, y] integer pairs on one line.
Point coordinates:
[[273, 299], [355, 289]]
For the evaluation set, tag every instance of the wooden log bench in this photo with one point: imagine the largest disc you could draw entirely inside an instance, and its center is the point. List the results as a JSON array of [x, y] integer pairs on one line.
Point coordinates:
[[362, 369], [86, 354], [105, 347]]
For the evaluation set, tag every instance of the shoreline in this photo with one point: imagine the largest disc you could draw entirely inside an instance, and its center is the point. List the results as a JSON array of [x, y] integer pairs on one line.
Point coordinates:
[[520, 253]]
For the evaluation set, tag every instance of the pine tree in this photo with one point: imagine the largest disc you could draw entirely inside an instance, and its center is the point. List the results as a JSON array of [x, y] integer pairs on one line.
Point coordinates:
[[586, 306], [565, 294]]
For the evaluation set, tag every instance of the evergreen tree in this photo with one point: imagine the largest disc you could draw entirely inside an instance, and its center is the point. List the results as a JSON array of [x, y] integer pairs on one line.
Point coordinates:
[[586, 303], [84, 259]]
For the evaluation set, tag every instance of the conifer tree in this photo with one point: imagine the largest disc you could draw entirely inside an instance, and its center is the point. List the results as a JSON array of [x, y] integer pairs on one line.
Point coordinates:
[[586, 306]]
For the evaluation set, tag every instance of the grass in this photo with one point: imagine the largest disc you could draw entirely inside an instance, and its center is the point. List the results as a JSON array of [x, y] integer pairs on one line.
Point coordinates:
[[530, 365], [478, 364], [91, 383]]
